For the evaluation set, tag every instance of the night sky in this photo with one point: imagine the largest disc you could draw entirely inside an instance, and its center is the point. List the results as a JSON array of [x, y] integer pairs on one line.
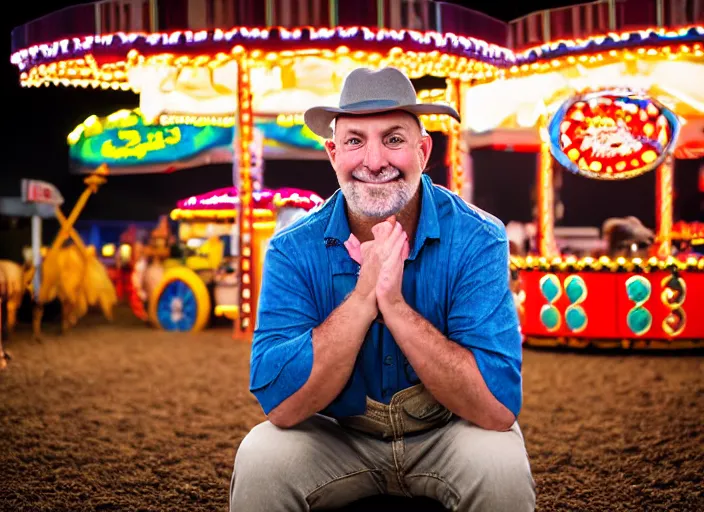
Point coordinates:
[[37, 122]]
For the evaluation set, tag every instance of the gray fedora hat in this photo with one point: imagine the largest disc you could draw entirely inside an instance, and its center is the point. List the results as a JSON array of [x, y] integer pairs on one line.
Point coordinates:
[[372, 92]]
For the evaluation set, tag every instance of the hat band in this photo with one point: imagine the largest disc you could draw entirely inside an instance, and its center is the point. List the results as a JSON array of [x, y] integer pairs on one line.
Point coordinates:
[[370, 104]]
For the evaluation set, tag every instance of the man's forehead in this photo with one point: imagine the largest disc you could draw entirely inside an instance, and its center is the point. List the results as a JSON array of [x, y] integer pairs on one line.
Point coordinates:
[[402, 120]]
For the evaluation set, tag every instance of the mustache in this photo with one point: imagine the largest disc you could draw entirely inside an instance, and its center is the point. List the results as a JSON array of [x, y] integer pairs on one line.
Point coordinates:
[[386, 174]]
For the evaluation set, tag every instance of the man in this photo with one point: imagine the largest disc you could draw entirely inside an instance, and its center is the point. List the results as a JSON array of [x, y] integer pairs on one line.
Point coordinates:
[[387, 354]]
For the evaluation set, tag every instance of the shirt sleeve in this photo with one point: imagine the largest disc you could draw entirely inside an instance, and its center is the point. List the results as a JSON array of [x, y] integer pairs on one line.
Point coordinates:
[[282, 346], [483, 318]]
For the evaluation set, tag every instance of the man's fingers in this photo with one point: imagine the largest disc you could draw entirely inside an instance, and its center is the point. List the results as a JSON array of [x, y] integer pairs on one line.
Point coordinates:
[[394, 255], [352, 240], [384, 228], [381, 230], [397, 234]]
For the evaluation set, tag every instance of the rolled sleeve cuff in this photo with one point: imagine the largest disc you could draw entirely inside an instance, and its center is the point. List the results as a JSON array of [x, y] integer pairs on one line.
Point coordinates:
[[282, 370], [503, 378]]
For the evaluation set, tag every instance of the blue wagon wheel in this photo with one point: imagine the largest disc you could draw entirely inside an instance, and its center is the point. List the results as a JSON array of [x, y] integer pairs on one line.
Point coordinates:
[[180, 302]]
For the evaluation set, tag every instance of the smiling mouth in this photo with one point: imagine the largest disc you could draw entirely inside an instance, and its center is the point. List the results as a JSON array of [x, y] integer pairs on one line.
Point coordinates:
[[384, 182]]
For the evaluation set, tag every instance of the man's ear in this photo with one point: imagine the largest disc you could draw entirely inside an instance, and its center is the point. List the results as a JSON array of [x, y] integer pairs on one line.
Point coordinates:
[[331, 149], [426, 146]]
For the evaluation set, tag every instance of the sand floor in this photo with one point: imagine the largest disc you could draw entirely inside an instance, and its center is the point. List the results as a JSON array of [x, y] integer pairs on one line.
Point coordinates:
[[123, 417]]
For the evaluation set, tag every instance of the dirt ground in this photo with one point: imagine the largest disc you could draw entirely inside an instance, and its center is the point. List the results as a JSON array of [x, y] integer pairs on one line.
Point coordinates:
[[122, 417]]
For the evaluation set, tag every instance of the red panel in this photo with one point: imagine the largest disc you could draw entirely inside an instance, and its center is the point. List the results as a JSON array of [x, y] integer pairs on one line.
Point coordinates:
[[561, 24], [694, 328], [607, 305], [599, 305], [693, 306], [636, 14], [530, 282], [624, 305]]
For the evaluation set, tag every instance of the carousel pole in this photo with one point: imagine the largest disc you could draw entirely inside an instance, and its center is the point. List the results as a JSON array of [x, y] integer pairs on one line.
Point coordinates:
[[245, 124], [545, 197], [458, 179], [664, 185]]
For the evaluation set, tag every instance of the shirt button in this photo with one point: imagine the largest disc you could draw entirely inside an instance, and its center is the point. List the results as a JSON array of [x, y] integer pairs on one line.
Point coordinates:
[[386, 392], [388, 360]]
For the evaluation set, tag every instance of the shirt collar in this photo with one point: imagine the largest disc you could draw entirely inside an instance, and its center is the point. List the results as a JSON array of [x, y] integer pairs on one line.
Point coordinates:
[[338, 227]]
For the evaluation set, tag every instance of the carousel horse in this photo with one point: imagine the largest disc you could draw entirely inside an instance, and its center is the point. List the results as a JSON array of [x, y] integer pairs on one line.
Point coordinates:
[[627, 237]]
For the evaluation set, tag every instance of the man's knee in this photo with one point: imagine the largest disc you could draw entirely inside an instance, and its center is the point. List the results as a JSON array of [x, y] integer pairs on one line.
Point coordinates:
[[268, 451], [492, 471], [264, 475], [506, 480]]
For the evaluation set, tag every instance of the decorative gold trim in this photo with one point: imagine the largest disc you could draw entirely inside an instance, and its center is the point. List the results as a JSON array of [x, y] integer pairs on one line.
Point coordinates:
[[616, 343], [668, 329], [605, 264]]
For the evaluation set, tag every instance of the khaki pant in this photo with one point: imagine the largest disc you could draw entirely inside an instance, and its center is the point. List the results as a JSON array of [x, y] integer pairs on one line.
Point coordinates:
[[321, 465]]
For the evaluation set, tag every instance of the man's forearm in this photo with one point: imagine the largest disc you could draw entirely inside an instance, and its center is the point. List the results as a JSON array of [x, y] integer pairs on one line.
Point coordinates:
[[448, 370], [336, 343]]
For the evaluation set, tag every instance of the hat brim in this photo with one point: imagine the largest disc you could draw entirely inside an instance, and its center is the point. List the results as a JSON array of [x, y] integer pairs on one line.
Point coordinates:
[[318, 119]]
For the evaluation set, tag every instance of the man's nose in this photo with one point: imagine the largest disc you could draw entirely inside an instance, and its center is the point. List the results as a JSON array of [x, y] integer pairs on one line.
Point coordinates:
[[374, 156]]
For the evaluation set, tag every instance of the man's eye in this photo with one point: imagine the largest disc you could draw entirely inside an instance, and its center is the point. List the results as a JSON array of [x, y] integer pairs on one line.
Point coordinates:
[[353, 141], [394, 139]]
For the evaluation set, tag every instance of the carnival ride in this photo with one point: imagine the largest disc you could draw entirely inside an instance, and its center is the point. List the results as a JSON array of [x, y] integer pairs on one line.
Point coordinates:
[[213, 64], [183, 292]]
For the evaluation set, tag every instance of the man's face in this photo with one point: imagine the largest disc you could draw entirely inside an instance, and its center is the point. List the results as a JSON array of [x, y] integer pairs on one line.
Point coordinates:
[[379, 161]]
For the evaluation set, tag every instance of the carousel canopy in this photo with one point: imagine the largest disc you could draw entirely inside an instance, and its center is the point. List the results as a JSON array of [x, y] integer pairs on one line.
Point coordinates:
[[228, 199], [182, 56]]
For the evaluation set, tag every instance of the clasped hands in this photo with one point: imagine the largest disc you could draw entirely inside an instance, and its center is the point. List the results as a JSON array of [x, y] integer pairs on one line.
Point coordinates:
[[381, 263]]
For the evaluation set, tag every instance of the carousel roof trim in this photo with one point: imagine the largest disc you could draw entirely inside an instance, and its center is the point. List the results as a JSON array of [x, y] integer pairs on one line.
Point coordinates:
[[117, 46], [104, 61]]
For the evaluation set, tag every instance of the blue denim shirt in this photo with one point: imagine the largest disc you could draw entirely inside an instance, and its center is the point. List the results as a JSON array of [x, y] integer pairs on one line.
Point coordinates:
[[456, 277]]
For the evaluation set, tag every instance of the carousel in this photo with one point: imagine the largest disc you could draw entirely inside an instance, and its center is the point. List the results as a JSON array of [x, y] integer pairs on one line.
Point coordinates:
[[644, 290], [205, 65]]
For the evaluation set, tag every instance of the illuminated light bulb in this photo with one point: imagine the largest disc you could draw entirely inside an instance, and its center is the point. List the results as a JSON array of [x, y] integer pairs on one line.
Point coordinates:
[[649, 156]]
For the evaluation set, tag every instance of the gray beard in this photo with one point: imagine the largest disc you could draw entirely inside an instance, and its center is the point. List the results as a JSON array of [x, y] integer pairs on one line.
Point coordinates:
[[388, 200]]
